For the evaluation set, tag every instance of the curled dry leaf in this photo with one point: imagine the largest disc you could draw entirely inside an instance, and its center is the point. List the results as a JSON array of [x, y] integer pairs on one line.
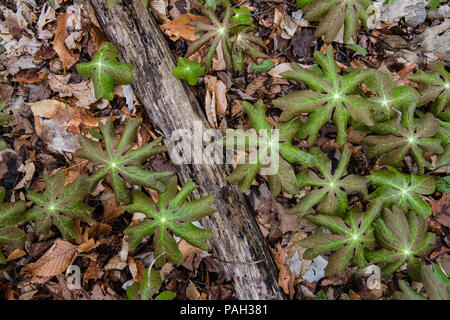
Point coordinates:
[[68, 58], [180, 28], [82, 91], [55, 261]]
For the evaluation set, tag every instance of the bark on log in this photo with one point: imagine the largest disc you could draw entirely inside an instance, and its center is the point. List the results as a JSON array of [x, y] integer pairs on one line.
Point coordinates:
[[171, 105]]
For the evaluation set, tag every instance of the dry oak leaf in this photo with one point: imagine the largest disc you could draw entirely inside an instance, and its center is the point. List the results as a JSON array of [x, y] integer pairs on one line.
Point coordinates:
[[68, 59], [83, 91], [179, 27], [55, 261], [45, 108]]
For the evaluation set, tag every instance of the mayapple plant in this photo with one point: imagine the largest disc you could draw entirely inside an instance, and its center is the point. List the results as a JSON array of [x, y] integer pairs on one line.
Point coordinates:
[[118, 163], [106, 71], [284, 177], [348, 238], [245, 43], [410, 136], [330, 192], [4, 117], [335, 15], [59, 205], [188, 70], [330, 95], [171, 215], [394, 187], [404, 239]]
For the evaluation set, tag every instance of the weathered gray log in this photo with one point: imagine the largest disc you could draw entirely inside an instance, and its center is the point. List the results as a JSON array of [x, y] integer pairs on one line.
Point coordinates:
[[171, 105]]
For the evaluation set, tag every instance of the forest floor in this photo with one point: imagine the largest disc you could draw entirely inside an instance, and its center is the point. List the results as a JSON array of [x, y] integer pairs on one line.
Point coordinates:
[[51, 104]]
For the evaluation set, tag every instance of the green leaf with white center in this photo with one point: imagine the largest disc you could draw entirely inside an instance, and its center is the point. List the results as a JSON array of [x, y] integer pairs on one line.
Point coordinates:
[[410, 136], [335, 15], [435, 86], [172, 215], [106, 71], [435, 287], [188, 70], [394, 187], [248, 44], [218, 32], [59, 205], [390, 100], [404, 239], [118, 163], [348, 239], [241, 15], [330, 191], [330, 95], [266, 153]]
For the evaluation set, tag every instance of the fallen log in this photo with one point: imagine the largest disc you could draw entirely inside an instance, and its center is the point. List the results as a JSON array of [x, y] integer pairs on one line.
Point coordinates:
[[171, 105]]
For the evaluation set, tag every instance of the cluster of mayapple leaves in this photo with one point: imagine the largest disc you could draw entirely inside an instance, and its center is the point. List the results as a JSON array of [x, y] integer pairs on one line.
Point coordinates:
[[118, 164], [233, 32]]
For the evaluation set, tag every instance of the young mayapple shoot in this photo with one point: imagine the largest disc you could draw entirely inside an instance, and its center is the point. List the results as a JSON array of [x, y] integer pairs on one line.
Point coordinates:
[[148, 287], [394, 187], [330, 192], [404, 238], [59, 205], [4, 117], [245, 173], [410, 136], [435, 283], [11, 213], [171, 215], [118, 163], [329, 92], [106, 71], [435, 86], [245, 43], [188, 70], [335, 15], [348, 239]]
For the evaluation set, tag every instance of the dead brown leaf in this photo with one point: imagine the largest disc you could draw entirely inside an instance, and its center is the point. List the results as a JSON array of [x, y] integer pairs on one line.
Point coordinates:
[[68, 58], [179, 27]]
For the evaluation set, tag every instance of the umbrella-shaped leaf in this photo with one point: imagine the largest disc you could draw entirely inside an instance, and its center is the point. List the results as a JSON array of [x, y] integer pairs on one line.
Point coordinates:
[[330, 95], [394, 187], [329, 191], [188, 70], [59, 205], [404, 239], [172, 215], [348, 239], [117, 163], [247, 43]]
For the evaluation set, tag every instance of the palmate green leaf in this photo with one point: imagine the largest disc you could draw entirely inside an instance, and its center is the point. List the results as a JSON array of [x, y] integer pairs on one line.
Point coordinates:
[[335, 15], [241, 15], [11, 213], [410, 136], [330, 95], [330, 191], [246, 43], [394, 187], [435, 86], [284, 177], [443, 184], [348, 238], [436, 288], [172, 215], [390, 100], [59, 205], [145, 290], [188, 70], [106, 71], [404, 239], [217, 31], [117, 163]]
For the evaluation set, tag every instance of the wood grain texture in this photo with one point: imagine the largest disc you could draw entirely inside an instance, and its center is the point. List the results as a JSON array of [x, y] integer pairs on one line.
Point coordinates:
[[171, 105]]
